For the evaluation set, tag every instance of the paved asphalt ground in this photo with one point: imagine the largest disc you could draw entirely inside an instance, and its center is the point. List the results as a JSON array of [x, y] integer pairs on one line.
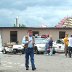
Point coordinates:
[[44, 63]]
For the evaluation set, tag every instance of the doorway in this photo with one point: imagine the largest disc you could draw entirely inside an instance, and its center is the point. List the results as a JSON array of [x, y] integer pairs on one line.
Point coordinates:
[[61, 34], [13, 36]]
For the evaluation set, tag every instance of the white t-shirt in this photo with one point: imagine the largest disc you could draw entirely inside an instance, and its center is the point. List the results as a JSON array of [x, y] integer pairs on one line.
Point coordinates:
[[70, 41]]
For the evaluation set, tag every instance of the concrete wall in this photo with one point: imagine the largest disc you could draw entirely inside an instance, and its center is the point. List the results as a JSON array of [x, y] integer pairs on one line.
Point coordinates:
[[5, 36], [22, 32]]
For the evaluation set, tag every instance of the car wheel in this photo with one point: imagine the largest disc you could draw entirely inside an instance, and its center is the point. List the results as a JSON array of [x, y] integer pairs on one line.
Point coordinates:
[[37, 52], [14, 51], [23, 51], [4, 51]]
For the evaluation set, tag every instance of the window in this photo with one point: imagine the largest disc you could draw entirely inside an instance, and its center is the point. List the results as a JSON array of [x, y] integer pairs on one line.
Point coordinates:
[[61, 34]]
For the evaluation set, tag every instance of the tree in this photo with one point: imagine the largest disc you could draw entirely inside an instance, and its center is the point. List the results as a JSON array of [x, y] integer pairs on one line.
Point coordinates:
[[22, 25], [14, 25]]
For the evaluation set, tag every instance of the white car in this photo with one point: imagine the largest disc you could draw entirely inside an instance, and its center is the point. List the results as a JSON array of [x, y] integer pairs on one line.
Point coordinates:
[[59, 45], [40, 45], [1, 48], [18, 48], [13, 49], [0, 57]]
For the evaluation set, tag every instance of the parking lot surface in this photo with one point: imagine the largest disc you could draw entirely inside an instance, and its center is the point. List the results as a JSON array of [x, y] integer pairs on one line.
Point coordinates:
[[44, 63]]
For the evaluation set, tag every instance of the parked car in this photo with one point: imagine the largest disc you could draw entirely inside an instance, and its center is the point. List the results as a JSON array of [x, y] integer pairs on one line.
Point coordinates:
[[18, 49], [12, 48], [7, 47], [44, 36], [1, 48], [39, 45], [59, 45], [6, 50]]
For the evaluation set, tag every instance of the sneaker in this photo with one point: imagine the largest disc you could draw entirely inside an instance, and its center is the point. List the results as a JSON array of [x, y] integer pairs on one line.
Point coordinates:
[[34, 69], [45, 54], [27, 68]]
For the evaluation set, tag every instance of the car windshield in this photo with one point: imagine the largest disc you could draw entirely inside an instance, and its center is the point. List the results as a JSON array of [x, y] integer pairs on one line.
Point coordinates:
[[40, 40], [59, 41]]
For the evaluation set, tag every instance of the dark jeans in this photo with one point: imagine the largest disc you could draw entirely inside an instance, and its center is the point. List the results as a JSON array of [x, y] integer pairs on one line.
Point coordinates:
[[69, 51], [29, 52]]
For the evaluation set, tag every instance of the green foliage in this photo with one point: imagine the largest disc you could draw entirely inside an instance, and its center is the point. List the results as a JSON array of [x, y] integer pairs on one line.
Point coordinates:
[[20, 25]]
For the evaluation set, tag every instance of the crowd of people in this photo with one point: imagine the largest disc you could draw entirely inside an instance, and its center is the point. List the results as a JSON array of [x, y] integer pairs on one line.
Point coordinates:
[[49, 50], [29, 41]]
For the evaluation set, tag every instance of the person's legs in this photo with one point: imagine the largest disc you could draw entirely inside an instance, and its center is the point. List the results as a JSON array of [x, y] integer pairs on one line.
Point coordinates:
[[45, 51], [69, 51], [51, 51], [66, 50], [32, 58], [48, 51], [26, 59], [46, 47]]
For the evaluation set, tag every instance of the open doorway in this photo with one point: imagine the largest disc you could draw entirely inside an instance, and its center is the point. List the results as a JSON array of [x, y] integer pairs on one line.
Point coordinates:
[[61, 34], [13, 36]]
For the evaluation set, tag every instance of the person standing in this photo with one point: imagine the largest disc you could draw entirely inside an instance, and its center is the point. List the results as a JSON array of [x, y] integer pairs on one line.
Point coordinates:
[[70, 46], [46, 45], [29, 51], [51, 45], [66, 44]]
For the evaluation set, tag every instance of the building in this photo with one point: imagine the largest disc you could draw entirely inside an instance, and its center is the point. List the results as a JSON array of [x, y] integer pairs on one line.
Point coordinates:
[[65, 22], [15, 34]]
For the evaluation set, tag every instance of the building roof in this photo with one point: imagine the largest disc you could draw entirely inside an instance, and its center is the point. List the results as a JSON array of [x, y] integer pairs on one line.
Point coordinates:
[[65, 22], [35, 28]]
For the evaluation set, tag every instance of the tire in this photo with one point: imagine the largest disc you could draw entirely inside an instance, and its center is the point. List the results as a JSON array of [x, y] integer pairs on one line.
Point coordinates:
[[4, 51], [54, 51], [23, 51], [37, 52], [14, 51]]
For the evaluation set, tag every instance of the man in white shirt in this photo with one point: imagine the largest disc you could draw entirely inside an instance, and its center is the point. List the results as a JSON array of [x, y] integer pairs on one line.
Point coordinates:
[[29, 51], [70, 46]]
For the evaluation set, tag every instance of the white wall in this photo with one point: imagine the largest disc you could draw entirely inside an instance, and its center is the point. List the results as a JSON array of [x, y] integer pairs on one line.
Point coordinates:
[[0, 40]]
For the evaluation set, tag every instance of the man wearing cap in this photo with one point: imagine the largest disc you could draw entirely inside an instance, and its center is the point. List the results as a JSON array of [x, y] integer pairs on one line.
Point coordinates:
[[29, 51], [70, 46]]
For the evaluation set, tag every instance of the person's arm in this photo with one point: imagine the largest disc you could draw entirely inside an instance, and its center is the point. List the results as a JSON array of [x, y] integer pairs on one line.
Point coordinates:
[[33, 39], [24, 41], [64, 40]]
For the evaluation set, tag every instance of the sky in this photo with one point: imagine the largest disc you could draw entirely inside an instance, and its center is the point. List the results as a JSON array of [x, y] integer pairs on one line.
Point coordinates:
[[34, 13]]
